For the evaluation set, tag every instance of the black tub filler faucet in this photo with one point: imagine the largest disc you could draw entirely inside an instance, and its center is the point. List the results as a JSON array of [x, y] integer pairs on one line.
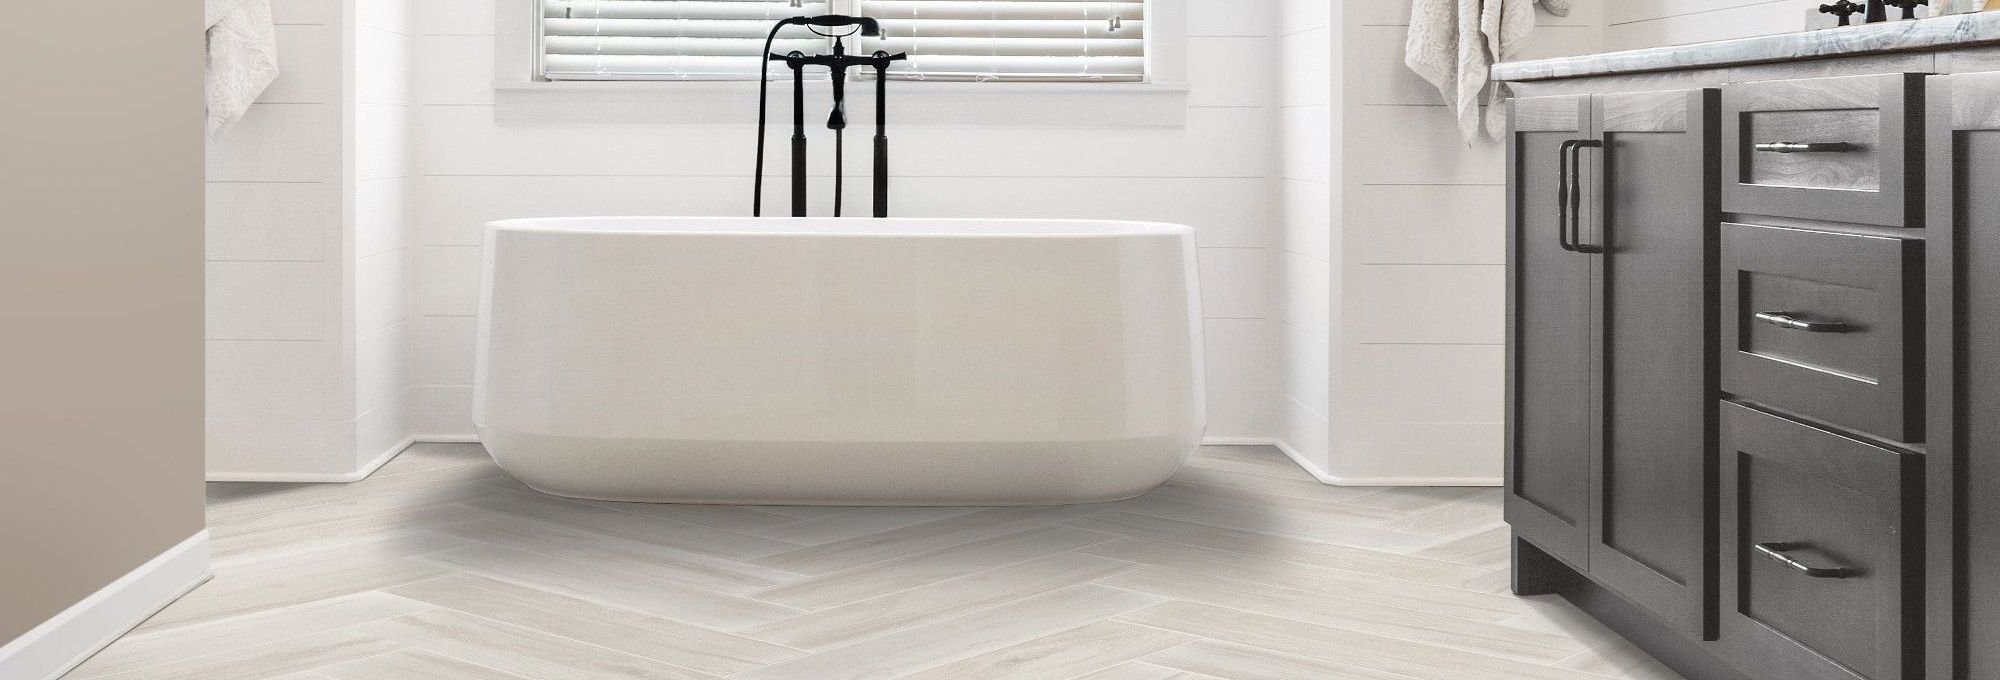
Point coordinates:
[[838, 63]]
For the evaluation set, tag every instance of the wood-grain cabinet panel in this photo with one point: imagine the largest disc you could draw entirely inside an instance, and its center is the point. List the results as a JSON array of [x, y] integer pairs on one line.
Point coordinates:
[[1841, 149], [1613, 211], [1963, 524]]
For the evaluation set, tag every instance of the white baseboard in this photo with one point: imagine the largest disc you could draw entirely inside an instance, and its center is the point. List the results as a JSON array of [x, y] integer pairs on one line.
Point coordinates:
[[1420, 481], [1321, 475], [1239, 441], [62, 642], [446, 438], [1299, 459], [318, 477], [1330, 479]]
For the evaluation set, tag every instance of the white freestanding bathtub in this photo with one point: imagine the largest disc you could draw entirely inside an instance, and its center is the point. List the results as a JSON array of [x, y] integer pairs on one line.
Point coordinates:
[[839, 361]]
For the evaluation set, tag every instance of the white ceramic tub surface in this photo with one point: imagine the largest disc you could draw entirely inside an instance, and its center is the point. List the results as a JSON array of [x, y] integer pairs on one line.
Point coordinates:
[[839, 361]]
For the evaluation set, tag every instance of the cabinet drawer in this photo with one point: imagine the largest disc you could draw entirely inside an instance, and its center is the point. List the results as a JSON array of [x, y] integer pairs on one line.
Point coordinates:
[[1825, 325], [1837, 149], [1819, 567]]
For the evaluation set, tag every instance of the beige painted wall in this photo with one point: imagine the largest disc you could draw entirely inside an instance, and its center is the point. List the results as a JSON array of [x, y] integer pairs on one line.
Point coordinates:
[[100, 297]]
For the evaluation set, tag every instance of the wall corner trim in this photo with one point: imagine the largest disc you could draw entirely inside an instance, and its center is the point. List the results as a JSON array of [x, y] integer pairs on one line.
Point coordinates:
[[61, 643]]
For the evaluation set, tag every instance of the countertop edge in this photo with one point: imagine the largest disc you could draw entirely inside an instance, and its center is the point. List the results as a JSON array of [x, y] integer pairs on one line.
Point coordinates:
[[1948, 32]]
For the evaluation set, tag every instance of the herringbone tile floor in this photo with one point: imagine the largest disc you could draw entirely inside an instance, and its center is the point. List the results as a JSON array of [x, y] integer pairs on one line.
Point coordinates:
[[1243, 567]]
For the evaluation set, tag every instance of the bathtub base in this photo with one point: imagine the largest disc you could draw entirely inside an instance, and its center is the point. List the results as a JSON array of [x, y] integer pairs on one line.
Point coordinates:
[[839, 473]]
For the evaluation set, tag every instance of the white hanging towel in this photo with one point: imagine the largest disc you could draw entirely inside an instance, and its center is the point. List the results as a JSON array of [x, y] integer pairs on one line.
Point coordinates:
[[242, 58], [1454, 44]]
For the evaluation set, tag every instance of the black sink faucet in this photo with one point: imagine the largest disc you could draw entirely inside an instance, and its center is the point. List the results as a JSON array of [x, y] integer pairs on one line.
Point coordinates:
[[1909, 7], [1845, 9], [1876, 11]]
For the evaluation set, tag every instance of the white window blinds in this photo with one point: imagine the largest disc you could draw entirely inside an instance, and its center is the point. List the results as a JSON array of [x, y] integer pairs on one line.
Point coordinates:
[[1012, 39], [1046, 40], [667, 39]]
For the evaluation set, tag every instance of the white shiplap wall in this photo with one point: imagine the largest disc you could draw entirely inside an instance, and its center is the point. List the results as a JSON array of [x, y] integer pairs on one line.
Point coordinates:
[[1635, 24], [383, 235], [1215, 173], [1413, 302], [275, 243], [1309, 195], [305, 245]]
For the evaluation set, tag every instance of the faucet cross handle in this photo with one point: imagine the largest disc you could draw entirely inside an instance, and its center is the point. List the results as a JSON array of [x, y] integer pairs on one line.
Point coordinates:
[[1909, 7], [1845, 9]]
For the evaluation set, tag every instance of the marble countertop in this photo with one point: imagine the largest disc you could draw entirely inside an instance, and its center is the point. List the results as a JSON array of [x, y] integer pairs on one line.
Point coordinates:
[[1896, 36]]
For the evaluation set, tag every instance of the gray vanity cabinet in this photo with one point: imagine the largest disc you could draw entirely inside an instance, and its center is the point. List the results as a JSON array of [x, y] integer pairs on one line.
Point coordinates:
[[1613, 208], [1549, 296], [1834, 514], [1963, 533]]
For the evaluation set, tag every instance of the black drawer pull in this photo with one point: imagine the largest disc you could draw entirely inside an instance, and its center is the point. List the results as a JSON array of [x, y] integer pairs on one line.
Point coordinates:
[[1790, 321], [1778, 552], [1798, 147]]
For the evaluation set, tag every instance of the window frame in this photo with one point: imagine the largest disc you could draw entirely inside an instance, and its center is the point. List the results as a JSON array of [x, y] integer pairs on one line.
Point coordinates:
[[523, 96]]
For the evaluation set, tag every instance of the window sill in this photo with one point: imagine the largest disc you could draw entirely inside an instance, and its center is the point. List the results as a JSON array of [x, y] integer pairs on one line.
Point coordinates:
[[910, 103]]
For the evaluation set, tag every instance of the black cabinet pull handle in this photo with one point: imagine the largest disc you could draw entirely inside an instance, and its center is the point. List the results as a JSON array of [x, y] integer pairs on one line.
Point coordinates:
[[1576, 197], [1780, 553], [1790, 321], [1563, 194], [1798, 147]]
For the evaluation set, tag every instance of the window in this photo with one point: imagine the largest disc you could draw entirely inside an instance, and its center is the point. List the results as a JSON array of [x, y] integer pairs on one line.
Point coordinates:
[[962, 40]]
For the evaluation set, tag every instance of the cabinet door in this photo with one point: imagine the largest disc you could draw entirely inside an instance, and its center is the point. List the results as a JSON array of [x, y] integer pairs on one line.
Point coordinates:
[[1549, 360], [1650, 516], [1963, 500]]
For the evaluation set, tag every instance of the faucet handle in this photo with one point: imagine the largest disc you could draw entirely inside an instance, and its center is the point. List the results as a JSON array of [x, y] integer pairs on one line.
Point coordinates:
[[1845, 9], [1909, 7]]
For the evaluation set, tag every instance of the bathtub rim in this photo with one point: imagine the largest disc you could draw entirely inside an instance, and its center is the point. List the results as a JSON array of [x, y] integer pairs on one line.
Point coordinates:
[[841, 227]]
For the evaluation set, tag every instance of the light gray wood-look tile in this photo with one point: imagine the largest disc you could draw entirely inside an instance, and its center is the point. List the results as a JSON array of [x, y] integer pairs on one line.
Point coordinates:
[[522, 651], [1357, 531], [879, 579], [274, 659], [1488, 548], [720, 611], [1310, 607], [920, 538], [1140, 670], [1380, 653], [658, 530], [923, 647], [638, 557], [414, 664], [848, 623], [610, 627], [1238, 662], [1453, 520], [1061, 655], [292, 580], [857, 523], [1244, 566], [725, 517], [1278, 547], [142, 650], [1330, 583]]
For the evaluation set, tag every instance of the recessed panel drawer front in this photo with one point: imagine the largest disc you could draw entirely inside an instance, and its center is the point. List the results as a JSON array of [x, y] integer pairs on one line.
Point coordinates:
[[1816, 557], [1825, 325], [1827, 148]]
